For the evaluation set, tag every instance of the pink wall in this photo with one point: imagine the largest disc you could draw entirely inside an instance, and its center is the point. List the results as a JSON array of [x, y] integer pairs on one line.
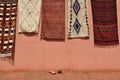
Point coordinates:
[[77, 54]]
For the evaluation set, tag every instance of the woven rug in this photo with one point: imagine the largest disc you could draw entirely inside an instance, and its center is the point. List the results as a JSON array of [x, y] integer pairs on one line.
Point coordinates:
[[105, 22], [53, 20], [8, 13], [77, 19], [29, 15]]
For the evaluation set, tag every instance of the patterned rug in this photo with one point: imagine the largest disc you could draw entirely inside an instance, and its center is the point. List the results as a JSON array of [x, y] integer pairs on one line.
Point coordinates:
[[105, 22], [29, 15], [53, 20], [8, 14], [77, 19]]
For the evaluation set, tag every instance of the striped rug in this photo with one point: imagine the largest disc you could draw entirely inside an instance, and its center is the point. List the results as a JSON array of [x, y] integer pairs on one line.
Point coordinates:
[[53, 20], [105, 22]]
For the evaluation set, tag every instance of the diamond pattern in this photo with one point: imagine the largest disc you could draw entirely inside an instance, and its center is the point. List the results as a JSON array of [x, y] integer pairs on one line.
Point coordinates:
[[29, 13], [76, 7], [77, 26]]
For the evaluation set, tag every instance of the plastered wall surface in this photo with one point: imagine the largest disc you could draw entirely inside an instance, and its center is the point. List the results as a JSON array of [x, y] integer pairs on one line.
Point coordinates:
[[32, 53]]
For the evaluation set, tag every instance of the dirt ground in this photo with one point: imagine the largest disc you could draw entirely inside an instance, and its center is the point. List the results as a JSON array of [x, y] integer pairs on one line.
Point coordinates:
[[66, 75]]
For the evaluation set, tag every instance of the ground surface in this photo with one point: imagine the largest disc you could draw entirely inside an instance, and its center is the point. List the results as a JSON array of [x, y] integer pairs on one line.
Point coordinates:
[[66, 75]]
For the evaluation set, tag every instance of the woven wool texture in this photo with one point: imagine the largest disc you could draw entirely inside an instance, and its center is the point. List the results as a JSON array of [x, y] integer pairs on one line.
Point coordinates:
[[77, 19], [29, 15], [8, 14], [105, 22], [53, 20]]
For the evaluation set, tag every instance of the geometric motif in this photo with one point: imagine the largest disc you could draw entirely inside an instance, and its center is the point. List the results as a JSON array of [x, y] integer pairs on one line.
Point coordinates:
[[77, 19], [8, 16], [29, 15], [77, 26], [76, 7]]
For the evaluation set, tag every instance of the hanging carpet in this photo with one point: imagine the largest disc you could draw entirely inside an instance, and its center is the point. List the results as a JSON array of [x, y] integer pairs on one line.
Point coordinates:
[[53, 20], [77, 19], [105, 22], [8, 14], [29, 15]]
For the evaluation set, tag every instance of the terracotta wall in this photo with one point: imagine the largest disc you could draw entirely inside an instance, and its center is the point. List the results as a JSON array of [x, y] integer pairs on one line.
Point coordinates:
[[78, 54]]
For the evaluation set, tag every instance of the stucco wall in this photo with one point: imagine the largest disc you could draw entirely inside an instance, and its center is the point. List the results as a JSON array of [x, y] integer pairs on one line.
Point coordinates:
[[77, 54]]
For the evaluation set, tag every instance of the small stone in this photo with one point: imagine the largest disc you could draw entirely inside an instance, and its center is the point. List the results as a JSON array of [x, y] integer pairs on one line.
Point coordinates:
[[60, 72], [53, 72]]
